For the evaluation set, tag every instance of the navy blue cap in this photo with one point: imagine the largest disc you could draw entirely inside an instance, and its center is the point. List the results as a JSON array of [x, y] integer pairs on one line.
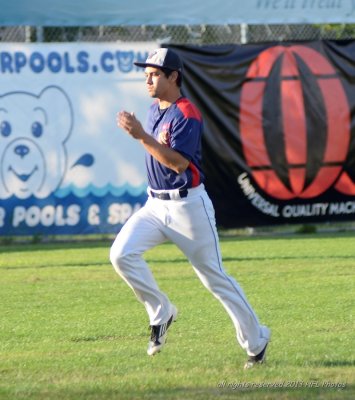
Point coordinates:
[[162, 58]]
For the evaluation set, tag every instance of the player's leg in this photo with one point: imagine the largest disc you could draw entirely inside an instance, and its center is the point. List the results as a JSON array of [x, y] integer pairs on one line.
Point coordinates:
[[140, 233], [193, 229]]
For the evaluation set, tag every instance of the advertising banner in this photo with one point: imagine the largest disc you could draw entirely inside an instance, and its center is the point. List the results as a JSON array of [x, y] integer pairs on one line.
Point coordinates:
[[65, 167], [160, 12], [279, 140]]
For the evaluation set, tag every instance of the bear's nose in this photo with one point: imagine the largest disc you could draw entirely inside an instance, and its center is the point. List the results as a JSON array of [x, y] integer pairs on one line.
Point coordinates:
[[22, 150]]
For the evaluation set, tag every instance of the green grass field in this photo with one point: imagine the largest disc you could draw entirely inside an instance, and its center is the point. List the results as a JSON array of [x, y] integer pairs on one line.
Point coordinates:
[[71, 329]]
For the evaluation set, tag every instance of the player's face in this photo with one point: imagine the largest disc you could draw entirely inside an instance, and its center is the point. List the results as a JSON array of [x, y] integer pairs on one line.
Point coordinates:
[[157, 83]]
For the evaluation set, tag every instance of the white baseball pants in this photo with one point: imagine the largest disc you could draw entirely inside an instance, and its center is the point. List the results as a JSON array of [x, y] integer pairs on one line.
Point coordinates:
[[190, 224]]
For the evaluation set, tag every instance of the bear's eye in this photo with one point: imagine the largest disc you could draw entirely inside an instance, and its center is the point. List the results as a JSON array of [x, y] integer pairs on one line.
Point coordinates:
[[5, 128], [37, 129]]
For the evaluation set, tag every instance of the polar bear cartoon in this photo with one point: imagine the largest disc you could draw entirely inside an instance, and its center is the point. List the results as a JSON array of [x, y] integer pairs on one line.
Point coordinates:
[[33, 133]]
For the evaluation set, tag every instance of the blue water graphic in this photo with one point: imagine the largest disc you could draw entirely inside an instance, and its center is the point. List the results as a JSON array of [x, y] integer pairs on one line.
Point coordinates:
[[100, 191]]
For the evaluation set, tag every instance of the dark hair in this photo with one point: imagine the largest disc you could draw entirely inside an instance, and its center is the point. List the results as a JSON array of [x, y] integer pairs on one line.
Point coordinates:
[[167, 72]]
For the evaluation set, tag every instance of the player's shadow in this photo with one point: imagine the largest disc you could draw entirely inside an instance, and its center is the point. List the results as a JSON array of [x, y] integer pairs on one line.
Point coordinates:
[[278, 257], [332, 363]]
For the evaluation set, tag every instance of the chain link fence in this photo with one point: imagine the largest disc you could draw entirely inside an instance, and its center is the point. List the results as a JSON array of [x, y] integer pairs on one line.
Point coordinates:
[[189, 35], [180, 34]]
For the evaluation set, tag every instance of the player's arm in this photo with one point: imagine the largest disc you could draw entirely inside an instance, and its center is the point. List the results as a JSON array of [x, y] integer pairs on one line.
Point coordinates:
[[165, 155]]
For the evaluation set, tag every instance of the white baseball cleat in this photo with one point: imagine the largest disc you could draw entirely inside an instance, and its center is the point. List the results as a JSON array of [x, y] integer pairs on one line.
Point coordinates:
[[159, 334]]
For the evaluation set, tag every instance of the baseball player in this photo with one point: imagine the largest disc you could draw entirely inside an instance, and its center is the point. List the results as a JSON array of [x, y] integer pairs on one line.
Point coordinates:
[[178, 209]]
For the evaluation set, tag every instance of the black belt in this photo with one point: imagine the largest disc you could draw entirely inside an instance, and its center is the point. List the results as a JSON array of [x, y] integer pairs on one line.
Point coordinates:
[[166, 196]]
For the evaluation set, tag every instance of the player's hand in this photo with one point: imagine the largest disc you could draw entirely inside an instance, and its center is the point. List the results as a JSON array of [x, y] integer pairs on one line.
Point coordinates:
[[128, 122]]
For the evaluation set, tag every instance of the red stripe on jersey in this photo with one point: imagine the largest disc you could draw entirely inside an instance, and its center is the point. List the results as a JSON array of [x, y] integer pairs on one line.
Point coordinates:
[[195, 175], [188, 109]]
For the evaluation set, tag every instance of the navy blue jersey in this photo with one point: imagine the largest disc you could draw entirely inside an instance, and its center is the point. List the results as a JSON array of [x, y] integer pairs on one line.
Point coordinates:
[[179, 127]]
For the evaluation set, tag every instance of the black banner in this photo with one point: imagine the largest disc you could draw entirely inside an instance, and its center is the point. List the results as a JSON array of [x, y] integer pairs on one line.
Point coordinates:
[[279, 138]]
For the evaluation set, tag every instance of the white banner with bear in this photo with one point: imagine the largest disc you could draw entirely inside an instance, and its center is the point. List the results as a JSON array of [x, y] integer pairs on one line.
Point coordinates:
[[65, 167]]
